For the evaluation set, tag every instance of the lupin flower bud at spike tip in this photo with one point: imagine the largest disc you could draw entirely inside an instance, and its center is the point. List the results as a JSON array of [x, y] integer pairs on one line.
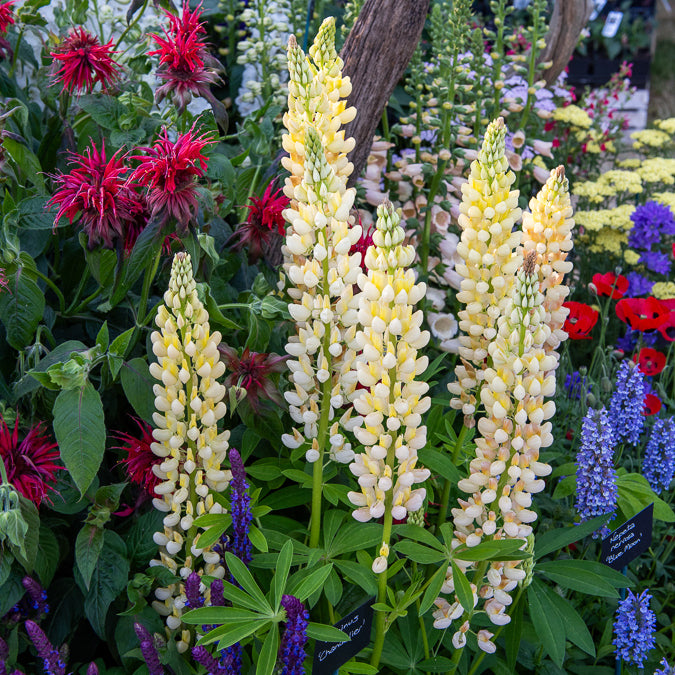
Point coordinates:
[[391, 401], [189, 402], [509, 363]]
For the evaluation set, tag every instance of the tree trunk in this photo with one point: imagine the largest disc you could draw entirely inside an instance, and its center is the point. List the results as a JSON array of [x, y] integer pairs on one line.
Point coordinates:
[[376, 54], [567, 21]]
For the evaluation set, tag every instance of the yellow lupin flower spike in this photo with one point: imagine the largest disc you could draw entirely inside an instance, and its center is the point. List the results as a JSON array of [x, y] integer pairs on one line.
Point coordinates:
[[547, 230], [393, 402], [189, 403], [488, 246]]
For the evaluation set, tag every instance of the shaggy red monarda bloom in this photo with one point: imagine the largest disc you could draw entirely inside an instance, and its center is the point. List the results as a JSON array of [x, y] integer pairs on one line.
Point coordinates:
[[83, 62], [611, 285], [251, 371], [97, 189], [31, 463], [168, 170], [580, 321], [139, 458], [6, 15], [184, 64], [265, 221]]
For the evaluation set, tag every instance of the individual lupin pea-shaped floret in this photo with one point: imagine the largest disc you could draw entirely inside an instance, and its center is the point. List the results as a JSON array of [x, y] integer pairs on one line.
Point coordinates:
[[189, 404]]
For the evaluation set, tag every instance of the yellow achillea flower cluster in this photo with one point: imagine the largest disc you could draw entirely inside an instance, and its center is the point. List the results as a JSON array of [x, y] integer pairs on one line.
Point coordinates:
[[667, 125], [658, 170], [547, 231], [319, 238], [664, 290], [573, 115], [667, 198], [392, 402], [617, 219], [488, 247], [631, 257], [649, 138], [189, 402]]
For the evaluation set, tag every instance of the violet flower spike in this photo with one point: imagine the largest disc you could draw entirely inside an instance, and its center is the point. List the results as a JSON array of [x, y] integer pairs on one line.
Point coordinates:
[[53, 664], [148, 649], [93, 669], [4, 654], [194, 597], [37, 594], [217, 597], [240, 509], [292, 649], [201, 655]]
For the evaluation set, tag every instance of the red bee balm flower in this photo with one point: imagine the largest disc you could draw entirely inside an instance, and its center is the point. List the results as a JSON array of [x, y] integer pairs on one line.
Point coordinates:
[[251, 372], [182, 59], [168, 170], [265, 222], [580, 320], [30, 463], [6, 16], [140, 458], [84, 62], [97, 189], [641, 313], [611, 285], [650, 361]]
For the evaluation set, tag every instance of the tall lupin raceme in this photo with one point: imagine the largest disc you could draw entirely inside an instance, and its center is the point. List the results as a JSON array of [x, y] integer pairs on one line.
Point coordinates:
[[318, 263], [513, 319], [189, 402]]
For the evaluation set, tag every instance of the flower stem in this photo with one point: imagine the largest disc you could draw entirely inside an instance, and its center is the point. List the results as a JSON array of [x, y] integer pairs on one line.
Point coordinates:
[[131, 25], [54, 287], [445, 498]]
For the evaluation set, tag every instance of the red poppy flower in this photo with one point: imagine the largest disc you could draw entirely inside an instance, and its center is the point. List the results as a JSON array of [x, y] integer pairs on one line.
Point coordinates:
[[185, 65], [251, 371], [652, 405], [611, 285], [168, 170], [580, 321], [84, 62], [641, 313], [97, 189], [650, 361], [140, 458], [265, 222], [6, 16], [667, 327], [31, 463]]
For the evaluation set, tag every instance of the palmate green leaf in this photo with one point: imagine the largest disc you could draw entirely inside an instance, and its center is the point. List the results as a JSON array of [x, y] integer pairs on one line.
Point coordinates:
[[220, 615], [245, 579], [79, 428], [419, 553], [572, 574], [575, 627], [635, 493], [324, 633], [419, 534], [355, 537], [212, 535], [281, 574], [439, 463], [312, 582], [359, 574], [462, 588], [257, 538], [554, 540], [492, 549], [513, 632], [436, 664], [238, 632], [544, 615], [268, 654], [433, 589]]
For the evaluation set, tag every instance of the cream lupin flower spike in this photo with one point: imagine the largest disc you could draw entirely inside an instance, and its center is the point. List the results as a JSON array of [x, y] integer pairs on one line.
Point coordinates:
[[393, 401], [488, 246], [189, 402]]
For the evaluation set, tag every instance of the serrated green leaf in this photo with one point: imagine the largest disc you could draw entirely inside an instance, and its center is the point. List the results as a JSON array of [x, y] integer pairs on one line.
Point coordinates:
[[88, 547], [79, 428], [22, 305], [137, 384]]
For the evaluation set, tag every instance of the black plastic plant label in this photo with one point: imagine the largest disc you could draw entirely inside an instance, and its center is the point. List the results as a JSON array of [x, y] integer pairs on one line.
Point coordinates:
[[628, 541], [329, 656]]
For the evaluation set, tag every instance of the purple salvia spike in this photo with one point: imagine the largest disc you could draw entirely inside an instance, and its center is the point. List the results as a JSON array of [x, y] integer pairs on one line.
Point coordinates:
[[202, 656], [93, 669], [292, 648], [237, 467], [18, 672], [217, 597], [194, 598], [148, 649], [4, 654], [37, 594], [39, 639], [240, 509]]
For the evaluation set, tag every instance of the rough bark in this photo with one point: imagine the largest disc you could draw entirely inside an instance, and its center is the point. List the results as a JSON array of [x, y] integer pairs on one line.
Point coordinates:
[[567, 21], [376, 54]]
